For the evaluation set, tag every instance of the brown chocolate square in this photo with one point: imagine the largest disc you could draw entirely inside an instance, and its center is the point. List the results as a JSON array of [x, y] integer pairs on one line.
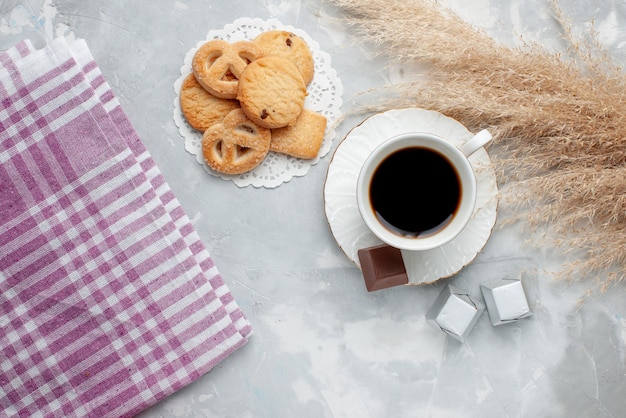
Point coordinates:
[[382, 267]]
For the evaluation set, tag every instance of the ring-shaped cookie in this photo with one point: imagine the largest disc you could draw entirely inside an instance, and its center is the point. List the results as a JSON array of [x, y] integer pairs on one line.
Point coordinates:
[[236, 145], [218, 64]]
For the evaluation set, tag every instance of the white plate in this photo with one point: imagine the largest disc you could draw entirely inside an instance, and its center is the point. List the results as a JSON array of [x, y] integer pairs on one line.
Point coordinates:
[[342, 212]]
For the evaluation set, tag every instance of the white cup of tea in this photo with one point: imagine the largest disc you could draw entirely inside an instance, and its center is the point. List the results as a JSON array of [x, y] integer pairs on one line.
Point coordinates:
[[417, 191]]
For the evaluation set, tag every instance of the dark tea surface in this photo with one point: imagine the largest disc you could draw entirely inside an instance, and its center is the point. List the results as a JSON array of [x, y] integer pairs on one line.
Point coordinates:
[[415, 192]]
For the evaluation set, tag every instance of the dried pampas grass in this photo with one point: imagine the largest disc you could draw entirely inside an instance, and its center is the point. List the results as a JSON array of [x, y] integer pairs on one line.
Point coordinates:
[[559, 120]]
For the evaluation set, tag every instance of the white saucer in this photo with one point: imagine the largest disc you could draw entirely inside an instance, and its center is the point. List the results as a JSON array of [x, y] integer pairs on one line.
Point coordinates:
[[343, 215]]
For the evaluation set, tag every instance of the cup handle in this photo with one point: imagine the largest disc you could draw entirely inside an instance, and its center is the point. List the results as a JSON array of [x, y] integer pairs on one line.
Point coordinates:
[[476, 142]]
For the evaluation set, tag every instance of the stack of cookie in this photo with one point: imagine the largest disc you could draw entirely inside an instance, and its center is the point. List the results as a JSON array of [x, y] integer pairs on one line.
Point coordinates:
[[247, 98]]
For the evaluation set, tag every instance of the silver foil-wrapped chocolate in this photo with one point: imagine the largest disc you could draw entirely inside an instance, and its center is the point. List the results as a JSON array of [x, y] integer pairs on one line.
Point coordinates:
[[506, 301], [455, 312]]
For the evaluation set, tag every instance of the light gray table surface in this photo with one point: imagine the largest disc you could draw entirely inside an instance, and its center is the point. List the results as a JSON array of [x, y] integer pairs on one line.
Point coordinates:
[[323, 346]]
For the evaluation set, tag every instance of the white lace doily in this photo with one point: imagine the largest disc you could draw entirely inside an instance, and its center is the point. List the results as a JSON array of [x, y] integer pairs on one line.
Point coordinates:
[[324, 97]]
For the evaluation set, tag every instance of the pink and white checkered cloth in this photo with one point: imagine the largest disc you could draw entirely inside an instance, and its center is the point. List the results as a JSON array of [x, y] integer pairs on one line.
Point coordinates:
[[109, 301]]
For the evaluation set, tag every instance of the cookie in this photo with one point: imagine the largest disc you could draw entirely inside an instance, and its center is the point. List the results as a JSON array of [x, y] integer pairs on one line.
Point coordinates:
[[303, 139], [272, 92], [218, 65], [291, 46], [200, 108], [235, 145]]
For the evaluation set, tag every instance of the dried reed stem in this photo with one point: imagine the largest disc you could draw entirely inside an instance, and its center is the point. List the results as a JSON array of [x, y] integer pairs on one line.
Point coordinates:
[[559, 120]]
